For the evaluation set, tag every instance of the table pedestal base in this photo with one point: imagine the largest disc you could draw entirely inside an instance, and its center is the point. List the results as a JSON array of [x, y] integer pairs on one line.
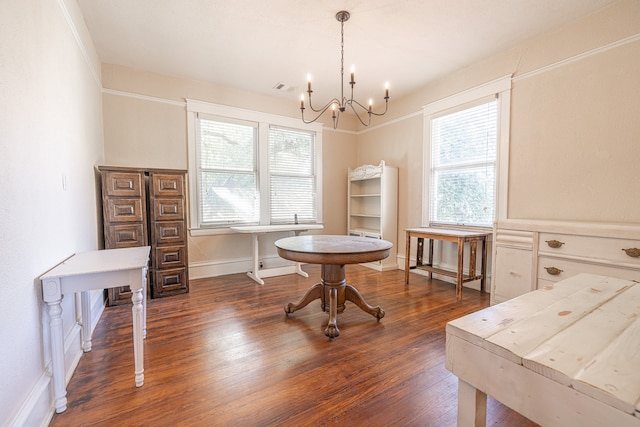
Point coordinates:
[[333, 291]]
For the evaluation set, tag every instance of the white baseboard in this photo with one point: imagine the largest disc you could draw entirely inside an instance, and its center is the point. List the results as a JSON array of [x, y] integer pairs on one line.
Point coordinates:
[[38, 408], [202, 270]]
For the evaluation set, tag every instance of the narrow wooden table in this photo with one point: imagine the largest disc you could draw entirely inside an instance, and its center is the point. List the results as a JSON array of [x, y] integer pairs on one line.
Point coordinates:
[[455, 236], [87, 271], [565, 355], [333, 252]]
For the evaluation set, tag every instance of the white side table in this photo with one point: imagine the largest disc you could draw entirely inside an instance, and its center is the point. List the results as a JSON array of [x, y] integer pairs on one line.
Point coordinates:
[[88, 271], [255, 231]]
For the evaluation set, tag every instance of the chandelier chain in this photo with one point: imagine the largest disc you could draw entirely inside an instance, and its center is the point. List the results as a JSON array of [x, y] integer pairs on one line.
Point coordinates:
[[342, 64]]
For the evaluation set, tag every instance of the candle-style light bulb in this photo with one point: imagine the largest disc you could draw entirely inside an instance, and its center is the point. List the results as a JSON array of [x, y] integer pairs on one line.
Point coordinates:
[[302, 101], [386, 90], [370, 104], [353, 72], [309, 82]]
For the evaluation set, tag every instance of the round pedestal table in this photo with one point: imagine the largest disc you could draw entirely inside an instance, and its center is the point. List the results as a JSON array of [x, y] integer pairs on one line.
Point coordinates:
[[333, 252]]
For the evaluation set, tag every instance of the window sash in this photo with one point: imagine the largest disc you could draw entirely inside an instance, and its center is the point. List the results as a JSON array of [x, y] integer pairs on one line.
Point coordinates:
[[463, 165], [292, 176], [227, 172]]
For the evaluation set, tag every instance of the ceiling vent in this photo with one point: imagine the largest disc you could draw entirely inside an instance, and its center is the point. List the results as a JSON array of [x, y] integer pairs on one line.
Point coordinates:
[[283, 87]]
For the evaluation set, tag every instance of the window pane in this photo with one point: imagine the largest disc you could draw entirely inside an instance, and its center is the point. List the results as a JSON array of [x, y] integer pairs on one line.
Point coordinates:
[[466, 136], [227, 173], [463, 147], [292, 176], [291, 197], [290, 152], [228, 197], [227, 146], [464, 196]]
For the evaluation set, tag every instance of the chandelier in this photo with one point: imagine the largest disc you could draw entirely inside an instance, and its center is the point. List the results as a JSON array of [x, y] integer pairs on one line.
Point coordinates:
[[339, 105]]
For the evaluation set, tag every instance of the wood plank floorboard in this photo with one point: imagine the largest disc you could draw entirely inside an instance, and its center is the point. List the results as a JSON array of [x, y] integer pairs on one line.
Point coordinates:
[[226, 354]]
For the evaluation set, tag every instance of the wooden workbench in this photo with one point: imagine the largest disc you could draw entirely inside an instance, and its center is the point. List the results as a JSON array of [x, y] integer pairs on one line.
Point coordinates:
[[564, 355]]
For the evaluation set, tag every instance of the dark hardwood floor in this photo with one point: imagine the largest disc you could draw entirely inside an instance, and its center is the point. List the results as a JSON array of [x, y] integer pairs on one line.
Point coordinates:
[[227, 355]]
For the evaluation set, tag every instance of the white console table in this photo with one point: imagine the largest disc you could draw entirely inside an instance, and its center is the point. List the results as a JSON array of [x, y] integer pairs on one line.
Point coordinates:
[[88, 271], [256, 230], [564, 355]]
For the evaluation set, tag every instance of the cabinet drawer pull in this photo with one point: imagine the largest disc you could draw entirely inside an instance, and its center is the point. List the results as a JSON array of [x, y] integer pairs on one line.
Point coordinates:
[[553, 271], [632, 252], [554, 243]]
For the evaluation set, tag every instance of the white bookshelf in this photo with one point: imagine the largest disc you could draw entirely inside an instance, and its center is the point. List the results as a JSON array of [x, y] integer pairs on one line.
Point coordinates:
[[373, 208]]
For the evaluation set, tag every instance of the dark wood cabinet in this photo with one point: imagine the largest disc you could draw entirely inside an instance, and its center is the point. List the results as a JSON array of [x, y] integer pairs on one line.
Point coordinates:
[[147, 207], [168, 233]]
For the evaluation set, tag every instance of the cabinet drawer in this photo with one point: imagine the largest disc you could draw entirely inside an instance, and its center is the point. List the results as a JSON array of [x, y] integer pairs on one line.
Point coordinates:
[[125, 236], [169, 232], [168, 209], [170, 282], [124, 210], [556, 269], [123, 184], [167, 185], [610, 249], [170, 257]]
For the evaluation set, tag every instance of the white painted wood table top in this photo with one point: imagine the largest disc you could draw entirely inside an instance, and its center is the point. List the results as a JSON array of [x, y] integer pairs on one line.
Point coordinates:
[[88, 271], [582, 334]]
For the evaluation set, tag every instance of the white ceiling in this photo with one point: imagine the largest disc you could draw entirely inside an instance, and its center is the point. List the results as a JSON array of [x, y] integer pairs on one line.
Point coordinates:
[[256, 44]]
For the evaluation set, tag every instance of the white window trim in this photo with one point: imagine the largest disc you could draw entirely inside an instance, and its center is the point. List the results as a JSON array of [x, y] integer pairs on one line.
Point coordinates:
[[264, 120], [500, 87]]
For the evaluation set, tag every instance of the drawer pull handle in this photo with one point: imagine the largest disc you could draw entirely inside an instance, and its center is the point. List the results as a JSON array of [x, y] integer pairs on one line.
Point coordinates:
[[554, 243], [632, 252], [553, 271]]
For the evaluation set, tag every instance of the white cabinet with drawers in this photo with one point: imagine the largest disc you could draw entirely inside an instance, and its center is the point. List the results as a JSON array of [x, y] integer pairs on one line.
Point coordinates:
[[531, 255]]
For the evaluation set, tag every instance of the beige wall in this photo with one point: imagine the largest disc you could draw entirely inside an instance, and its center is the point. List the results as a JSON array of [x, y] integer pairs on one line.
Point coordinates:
[[145, 125], [51, 126], [574, 129], [575, 133]]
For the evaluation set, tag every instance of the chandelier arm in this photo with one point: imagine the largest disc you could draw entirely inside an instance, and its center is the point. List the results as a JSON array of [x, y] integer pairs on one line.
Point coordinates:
[[386, 107], [371, 113], [320, 111], [327, 105], [358, 115]]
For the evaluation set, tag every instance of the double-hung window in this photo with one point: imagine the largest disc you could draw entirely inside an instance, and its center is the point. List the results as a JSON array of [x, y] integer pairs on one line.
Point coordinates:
[[462, 147], [251, 168], [292, 176], [227, 172]]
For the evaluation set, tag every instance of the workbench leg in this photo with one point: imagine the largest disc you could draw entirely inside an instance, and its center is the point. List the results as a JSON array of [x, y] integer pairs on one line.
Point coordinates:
[[407, 259], [473, 258], [472, 406], [419, 251], [483, 266], [459, 275], [430, 258]]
